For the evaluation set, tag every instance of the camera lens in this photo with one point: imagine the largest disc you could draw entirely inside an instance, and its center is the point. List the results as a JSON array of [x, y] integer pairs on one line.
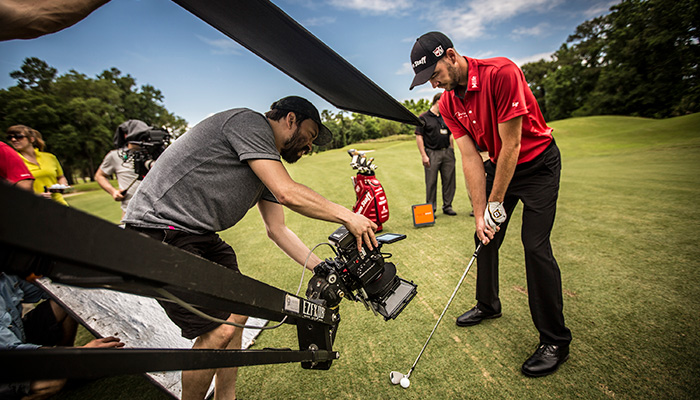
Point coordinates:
[[383, 283]]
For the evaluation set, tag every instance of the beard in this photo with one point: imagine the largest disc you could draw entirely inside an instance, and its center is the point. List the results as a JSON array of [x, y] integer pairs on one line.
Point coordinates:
[[453, 74], [295, 147]]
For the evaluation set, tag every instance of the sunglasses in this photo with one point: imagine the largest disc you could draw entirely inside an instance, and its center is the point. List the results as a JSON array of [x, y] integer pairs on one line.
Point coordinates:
[[16, 137]]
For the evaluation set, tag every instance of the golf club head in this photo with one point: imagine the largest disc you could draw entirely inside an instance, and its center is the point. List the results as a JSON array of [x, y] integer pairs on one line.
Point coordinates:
[[395, 377]]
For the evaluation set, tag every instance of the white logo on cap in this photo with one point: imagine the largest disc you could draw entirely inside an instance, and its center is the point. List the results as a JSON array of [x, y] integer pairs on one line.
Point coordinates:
[[438, 51], [422, 60]]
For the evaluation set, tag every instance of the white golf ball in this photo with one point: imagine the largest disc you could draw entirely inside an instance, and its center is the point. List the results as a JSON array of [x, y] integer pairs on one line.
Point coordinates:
[[405, 383]]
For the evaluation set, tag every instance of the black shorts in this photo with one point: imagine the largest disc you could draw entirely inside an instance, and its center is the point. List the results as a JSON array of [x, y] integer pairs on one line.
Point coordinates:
[[41, 327], [208, 246]]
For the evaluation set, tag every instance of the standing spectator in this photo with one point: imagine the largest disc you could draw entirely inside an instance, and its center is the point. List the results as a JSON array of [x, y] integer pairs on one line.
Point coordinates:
[[488, 104], [438, 155], [44, 166]]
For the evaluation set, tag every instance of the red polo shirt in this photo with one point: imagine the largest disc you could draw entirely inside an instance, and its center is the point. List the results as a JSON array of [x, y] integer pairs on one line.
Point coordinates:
[[496, 92]]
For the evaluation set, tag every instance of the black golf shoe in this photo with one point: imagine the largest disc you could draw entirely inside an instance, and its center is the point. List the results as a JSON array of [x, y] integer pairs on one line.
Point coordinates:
[[475, 316], [546, 360], [449, 211]]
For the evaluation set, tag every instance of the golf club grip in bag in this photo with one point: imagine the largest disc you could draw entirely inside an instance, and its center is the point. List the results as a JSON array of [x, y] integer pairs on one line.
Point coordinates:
[[371, 199]]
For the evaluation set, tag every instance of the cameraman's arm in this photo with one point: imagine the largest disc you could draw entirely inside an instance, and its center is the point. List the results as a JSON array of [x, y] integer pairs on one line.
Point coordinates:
[[305, 201], [103, 180], [273, 216], [22, 19]]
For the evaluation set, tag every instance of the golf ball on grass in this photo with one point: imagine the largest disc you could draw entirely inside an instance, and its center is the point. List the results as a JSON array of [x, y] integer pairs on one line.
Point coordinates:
[[405, 383]]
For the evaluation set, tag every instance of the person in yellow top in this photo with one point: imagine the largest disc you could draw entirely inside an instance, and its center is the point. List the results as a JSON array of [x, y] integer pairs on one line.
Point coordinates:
[[44, 166]]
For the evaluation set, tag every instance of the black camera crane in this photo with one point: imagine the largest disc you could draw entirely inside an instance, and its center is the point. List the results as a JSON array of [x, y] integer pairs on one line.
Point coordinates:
[[78, 249]]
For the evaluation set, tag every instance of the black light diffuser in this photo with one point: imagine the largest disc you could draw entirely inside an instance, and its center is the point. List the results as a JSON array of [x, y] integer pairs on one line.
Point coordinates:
[[267, 31]]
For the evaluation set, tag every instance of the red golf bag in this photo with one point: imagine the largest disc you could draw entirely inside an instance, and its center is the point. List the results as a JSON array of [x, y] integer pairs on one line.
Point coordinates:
[[371, 199]]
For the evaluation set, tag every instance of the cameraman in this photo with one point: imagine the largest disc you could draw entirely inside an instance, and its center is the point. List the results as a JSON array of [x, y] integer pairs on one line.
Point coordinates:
[[207, 180], [119, 163]]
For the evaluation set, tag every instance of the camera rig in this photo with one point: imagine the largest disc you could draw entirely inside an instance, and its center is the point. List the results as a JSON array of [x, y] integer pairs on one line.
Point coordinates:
[[151, 144], [361, 276], [78, 249]]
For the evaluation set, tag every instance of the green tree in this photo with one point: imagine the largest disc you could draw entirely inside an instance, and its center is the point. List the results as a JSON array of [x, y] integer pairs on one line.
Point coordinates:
[[535, 74], [34, 74], [656, 45], [641, 59], [77, 115]]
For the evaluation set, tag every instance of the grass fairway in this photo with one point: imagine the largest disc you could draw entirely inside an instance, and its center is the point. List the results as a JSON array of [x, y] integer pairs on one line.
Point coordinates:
[[625, 237]]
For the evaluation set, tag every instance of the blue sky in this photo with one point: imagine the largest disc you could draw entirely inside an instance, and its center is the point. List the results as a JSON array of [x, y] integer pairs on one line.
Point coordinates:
[[201, 71]]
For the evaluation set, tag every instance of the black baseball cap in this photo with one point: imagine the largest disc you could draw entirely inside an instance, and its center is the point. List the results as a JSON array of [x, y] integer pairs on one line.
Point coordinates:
[[427, 51], [302, 106]]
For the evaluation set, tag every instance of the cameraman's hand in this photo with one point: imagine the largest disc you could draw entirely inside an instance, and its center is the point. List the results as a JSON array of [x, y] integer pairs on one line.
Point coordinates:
[[363, 230]]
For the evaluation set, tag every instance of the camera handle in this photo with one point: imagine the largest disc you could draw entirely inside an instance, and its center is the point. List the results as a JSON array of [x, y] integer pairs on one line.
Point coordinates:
[[123, 192]]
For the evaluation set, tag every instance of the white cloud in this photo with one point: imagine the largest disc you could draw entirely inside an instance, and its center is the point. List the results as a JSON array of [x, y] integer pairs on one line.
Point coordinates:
[[535, 57], [405, 69], [539, 30], [471, 20], [422, 92], [223, 46], [319, 21], [374, 6], [599, 9]]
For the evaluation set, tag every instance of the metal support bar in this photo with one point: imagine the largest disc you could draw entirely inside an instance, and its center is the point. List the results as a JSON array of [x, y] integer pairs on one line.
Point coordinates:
[[78, 249], [54, 363]]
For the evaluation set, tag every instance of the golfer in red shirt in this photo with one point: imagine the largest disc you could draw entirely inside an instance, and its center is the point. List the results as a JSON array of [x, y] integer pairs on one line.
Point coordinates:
[[488, 104]]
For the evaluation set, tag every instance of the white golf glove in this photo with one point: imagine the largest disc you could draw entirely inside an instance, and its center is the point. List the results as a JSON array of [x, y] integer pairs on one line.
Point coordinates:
[[494, 214]]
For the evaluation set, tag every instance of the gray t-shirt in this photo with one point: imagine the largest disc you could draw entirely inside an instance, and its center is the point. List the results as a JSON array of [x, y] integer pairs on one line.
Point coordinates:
[[114, 163], [202, 182]]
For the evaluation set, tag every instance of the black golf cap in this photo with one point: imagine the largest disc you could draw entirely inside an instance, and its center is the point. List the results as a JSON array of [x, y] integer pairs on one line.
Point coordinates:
[[302, 106], [427, 51]]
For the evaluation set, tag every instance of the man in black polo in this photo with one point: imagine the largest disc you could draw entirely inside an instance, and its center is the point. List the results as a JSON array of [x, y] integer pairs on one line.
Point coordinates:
[[437, 151]]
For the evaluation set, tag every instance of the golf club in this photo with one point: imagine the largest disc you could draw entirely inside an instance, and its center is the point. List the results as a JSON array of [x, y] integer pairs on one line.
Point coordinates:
[[399, 378]]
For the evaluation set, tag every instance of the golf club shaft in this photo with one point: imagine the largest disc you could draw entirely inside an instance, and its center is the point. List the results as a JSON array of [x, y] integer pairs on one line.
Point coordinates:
[[464, 275]]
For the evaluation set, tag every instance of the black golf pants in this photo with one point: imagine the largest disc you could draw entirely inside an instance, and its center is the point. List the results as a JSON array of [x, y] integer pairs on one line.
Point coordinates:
[[536, 185]]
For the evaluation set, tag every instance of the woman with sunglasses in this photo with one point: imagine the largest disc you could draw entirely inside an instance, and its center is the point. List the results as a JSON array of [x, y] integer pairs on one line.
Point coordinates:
[[44, 166]]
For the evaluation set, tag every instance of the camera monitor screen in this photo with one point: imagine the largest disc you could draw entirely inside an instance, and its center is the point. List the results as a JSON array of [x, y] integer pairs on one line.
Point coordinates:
[[390, 237]]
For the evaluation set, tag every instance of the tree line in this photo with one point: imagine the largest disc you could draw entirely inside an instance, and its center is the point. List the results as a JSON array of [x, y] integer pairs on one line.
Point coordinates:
[[77, 115], [641, 59]]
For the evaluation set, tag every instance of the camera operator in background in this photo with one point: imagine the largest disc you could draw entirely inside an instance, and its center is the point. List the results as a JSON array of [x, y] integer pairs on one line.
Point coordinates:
[[207, 180], [119, 163]]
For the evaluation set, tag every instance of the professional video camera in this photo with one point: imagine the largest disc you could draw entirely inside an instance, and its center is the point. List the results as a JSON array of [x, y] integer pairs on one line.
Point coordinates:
[[152, 143], [361, 276]]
